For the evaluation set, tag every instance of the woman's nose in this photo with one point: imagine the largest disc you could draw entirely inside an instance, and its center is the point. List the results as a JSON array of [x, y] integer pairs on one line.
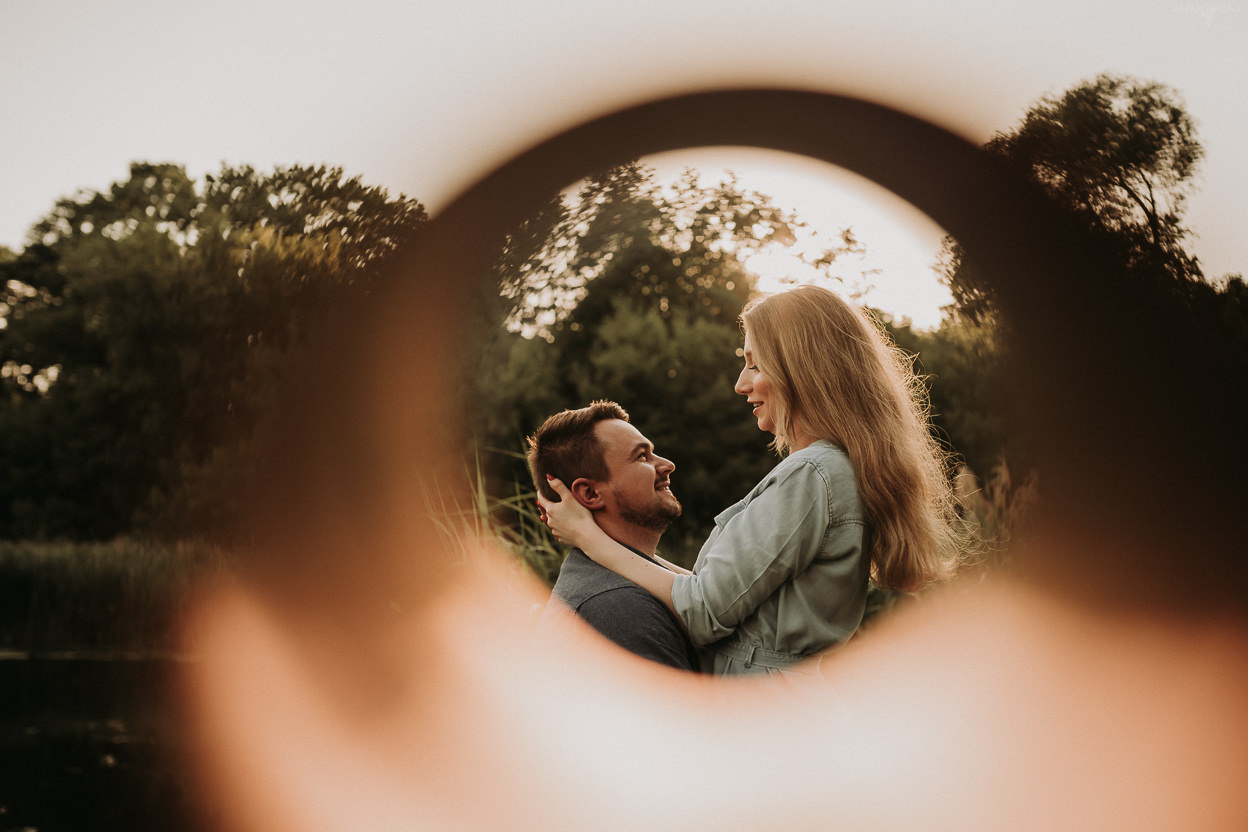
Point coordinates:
[[741, 386]]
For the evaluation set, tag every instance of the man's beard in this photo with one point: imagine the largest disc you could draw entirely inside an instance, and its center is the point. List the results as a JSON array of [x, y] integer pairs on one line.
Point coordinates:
[[656, 514]]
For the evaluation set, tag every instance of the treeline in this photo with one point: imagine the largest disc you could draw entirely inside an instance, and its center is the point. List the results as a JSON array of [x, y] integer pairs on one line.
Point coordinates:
[[144, 326], [143, 329]]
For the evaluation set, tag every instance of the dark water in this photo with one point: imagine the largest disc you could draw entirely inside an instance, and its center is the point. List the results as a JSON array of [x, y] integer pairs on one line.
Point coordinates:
[[92, 743]]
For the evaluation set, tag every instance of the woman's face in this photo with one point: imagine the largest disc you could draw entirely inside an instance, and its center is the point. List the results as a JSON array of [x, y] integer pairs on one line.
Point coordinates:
[[756, 388]]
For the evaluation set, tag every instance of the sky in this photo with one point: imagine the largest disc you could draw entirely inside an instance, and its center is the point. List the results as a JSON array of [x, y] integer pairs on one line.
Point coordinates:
[[424, 97]]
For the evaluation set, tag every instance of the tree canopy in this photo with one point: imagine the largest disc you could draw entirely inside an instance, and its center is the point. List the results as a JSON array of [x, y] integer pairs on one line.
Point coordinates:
[[1118, 153], [1119, 156], [142, 328]]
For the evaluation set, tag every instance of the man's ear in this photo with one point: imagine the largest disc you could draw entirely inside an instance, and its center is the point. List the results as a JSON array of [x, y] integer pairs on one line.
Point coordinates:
[[587, 494]]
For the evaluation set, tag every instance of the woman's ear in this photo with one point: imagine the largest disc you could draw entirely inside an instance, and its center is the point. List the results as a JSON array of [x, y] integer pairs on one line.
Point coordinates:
[[587, 494]]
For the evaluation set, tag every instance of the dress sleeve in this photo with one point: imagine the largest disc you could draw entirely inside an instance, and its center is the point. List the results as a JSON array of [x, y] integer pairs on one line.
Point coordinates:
[[772, 538]]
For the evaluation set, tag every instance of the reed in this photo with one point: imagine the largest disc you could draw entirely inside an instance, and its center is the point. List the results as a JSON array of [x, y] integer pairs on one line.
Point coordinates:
[[123, 595]]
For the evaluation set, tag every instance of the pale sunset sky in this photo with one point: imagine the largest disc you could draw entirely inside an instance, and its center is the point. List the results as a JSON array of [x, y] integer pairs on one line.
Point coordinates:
[[423, 97]]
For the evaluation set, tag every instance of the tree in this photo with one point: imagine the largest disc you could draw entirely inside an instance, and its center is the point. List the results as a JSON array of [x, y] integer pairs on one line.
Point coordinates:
[[144, 325], [624, 232], [1118, 156], [1118, 153], [631, 291]]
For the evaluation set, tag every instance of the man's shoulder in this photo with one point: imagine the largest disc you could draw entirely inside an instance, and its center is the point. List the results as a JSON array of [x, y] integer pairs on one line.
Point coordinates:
[[580, 580], [622, 611]]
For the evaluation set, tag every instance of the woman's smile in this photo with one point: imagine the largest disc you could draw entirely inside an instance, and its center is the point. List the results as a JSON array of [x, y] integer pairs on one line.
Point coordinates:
[[754, 385]]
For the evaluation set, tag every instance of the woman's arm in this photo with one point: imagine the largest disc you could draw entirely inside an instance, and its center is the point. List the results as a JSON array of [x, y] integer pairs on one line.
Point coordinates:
[[771, 538], [574, 525], [679, 570]]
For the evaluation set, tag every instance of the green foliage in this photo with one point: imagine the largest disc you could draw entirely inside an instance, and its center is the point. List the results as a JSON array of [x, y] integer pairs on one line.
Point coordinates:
[[1121, 150], [145, 325], [996, 479], [963, 367], [466, 514], [518, 383], [623, 232], [999, 509], [1118, 153], [630, 291], [1119, 156], [120, 596]]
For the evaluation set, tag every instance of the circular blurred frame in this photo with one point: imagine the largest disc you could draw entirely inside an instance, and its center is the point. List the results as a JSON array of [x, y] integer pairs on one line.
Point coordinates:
[[380, 408]]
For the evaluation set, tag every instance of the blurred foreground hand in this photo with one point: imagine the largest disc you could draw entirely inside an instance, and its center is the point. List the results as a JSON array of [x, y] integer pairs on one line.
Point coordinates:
[[1101, 685], [987, 706]]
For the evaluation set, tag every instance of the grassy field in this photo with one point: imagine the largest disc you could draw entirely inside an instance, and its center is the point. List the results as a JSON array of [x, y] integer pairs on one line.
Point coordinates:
[[120, 596]]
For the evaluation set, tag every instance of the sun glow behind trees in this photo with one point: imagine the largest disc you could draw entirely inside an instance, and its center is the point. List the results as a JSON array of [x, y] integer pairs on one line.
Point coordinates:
[[895, 271]]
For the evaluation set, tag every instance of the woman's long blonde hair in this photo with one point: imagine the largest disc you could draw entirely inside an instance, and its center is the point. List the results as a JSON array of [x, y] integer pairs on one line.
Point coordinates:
[[838, 377]]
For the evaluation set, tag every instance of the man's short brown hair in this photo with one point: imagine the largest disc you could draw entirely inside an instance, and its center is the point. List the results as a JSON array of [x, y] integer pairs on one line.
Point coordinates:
[[566, 446]]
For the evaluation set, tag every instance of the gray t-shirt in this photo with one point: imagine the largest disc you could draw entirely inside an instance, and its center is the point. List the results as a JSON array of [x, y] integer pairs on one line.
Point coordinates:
[[622, 611]]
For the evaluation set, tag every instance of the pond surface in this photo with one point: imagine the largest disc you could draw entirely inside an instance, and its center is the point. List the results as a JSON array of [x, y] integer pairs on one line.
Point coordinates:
[[91, 742]]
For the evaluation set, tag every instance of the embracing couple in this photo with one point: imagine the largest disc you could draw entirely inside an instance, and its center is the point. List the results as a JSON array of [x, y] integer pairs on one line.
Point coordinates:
[[860, 494]]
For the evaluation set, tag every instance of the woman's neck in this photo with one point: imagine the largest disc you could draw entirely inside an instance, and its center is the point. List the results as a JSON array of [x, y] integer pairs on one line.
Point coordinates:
[[800, 439]]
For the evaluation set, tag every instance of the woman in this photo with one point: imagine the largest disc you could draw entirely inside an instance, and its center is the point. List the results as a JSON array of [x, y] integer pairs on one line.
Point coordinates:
[[861, 492]]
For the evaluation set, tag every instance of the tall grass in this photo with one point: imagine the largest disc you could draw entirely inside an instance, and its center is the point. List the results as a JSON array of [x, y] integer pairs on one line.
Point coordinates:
[[998, 511], [996, 514], [124, 595], [466, 512]]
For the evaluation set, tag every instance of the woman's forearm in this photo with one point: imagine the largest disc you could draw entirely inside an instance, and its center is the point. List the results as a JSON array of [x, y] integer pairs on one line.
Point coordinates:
[[655, 579], [679, 570]]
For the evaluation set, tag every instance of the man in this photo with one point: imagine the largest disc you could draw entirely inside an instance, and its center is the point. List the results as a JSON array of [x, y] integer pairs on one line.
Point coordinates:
[[612, 469]]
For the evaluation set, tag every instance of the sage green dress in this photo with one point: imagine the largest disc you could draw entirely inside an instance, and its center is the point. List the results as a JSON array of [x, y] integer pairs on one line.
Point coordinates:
[[784, 573]]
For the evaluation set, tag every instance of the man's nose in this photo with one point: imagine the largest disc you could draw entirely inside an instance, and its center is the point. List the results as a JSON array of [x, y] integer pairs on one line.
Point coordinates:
[[665, 464]]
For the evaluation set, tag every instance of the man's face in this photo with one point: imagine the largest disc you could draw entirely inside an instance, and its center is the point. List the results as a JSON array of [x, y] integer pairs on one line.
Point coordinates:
[[638, 488]]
